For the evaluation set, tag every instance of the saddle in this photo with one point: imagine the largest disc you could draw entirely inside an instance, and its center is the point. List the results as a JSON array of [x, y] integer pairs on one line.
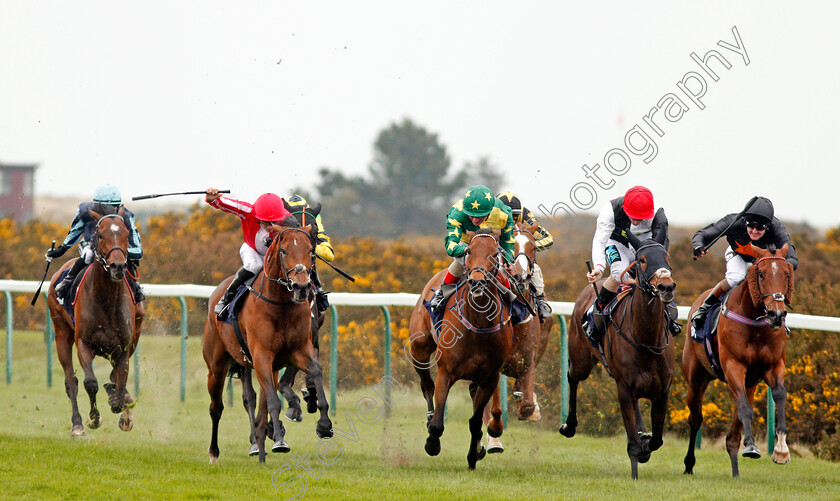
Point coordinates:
[[231, 316], [516, 308], [707, 332], [69, 300]]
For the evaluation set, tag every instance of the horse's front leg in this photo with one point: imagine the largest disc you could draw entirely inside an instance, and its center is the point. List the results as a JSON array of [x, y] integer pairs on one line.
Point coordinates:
[[263, 362], [581, 362], [528, 409], [480, 399], [658, 415], [307, 362], [86, 355], [64, 347], [636, 449], [775, 379], [443, 383], [116, 399], [286, 387], [249, 401]]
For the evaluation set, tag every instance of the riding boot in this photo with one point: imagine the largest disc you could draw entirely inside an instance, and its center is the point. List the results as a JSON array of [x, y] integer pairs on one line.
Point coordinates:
[[321, 300], [441, 296], [671, 314], [599, 316], [242, 276], [63, 287], [543, 309], [699, 317]]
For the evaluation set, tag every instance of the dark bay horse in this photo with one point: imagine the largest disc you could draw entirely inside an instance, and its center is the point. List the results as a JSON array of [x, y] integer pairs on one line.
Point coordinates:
[[638, 352], [476, 337], [107, 323], [750, 343], [530, 339], [275, 321]]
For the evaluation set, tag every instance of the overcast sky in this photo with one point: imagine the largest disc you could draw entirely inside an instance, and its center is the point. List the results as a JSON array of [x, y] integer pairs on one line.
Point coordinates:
[[256, 96]]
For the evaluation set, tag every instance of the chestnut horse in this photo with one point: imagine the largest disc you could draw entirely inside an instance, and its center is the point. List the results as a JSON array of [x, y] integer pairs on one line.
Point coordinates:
[[476, 337], [107, 323], [275, 321], [530, 339], [638, 352], [750, 343]]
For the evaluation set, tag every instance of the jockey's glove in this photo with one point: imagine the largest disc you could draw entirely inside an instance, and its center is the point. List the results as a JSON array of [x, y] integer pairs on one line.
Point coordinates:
[[58, 251]]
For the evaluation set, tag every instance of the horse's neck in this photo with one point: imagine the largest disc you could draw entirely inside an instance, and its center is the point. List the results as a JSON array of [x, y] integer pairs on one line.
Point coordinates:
[[647, 316], [477, 314], [740, 300], [106, 290], [270, 288]]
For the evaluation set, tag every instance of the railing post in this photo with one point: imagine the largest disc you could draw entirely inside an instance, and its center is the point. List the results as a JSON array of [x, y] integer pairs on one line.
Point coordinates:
[[333, 357], [387, 356], [771, 421], [564, 368], [9, 322], [503, 383], [49, 339], [184, 335]]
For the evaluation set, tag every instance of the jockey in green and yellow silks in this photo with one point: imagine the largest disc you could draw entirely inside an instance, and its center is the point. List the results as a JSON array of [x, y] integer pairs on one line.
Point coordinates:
[[479, 209]]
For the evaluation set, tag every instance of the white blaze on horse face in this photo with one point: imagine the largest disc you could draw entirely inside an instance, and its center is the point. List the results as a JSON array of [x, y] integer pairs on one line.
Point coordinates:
[[115, 228], [663, 273], [521, 259]]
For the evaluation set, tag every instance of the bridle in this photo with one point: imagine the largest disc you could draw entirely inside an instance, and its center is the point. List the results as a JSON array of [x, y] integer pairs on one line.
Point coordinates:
[[101, 258], [489, 273], [285, 280], [528, 258], [777, 296]]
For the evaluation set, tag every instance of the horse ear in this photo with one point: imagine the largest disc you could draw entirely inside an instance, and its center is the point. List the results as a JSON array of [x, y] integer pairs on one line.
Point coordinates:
[[121, 212], [533, 228], [661, 237], [94, 215], [470, 234], [633, 239], [314, 211], [757, 251], [784, 250]]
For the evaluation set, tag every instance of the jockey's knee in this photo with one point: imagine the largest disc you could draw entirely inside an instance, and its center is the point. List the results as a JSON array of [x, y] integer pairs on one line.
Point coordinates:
[[734, 279]]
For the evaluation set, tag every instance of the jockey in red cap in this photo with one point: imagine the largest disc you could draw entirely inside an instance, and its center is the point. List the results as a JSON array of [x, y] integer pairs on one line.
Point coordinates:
[[256, 223], [634, 212]]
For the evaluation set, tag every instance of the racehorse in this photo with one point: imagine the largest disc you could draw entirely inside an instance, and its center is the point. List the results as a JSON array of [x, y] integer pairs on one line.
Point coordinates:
[[475, 339], [276, 329], [530, 339], [638, 352], [107, 323], [750, 343]]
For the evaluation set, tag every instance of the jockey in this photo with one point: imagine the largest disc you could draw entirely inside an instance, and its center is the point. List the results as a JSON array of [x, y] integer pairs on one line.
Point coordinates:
[[323, 249], [479, 209], [634, 212], [106, 200], [543, 240], [256, 220], [757, 226]]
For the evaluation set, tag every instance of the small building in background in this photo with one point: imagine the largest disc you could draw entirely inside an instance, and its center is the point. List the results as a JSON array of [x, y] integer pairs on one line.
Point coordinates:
[[17, 191]]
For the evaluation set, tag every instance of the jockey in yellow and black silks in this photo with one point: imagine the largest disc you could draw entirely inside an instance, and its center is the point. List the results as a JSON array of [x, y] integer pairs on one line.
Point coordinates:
[[296, 205]]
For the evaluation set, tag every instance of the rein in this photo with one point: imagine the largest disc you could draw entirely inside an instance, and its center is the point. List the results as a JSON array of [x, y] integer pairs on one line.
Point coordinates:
[[298, 268], [655, 350]]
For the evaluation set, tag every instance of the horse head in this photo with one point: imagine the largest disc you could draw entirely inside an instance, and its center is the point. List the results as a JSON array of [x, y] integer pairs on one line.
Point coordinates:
[[525, 251], [653, 268], [481, 260], [110, 243], [291, 256], [770, 282]]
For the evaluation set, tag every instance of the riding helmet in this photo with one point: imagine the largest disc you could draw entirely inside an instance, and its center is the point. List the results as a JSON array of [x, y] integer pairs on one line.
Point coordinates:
[[107, 194], [511, 200], [638, 203], [478, 201], [269, 207], [761, 211]]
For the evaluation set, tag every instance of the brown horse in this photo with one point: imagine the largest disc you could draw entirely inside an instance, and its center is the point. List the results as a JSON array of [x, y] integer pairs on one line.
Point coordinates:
[[275, 322], [750, 344], [530, 339], [638, 353], [107, 323], [475, 340]]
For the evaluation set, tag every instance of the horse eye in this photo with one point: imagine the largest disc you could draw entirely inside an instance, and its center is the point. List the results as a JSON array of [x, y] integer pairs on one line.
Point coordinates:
[[760, 275]]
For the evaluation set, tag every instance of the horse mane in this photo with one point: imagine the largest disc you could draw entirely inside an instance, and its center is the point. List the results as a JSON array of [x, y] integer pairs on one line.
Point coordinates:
[[484, 231], [104, 209]]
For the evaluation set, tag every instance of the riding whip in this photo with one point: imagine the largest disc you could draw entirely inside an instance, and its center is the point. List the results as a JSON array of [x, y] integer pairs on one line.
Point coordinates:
[[737, 217], [38, 292], [145, 197], [589, 266], [337, 270]]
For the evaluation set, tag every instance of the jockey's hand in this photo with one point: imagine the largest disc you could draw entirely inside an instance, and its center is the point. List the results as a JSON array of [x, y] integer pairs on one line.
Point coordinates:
[[211, 194], [57, 252], [699, 252], [511, 269], [594, 275]]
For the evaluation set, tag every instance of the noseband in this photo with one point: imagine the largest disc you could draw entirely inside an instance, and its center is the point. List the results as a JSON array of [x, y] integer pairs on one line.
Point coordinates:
[[100, 258], [286, 280]]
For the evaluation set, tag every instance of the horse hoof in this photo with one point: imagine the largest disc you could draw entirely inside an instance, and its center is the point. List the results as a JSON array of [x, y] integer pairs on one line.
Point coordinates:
[[312, 405], [566, 431], [95, 422], [644, 458], [126, 423], [751, 451], [481, 453], [280, 446], [781, 457], [324, 432], [77, 431], [254, 450], [494, 446], [294, 415], [214, 459], [432, 446]]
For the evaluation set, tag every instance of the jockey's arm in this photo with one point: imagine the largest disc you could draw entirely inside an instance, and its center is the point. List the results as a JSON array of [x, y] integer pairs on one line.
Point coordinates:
[[324, 248]]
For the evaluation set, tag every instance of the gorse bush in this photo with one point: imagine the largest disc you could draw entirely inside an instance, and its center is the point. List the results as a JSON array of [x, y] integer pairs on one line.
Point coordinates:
[[201, 246]]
